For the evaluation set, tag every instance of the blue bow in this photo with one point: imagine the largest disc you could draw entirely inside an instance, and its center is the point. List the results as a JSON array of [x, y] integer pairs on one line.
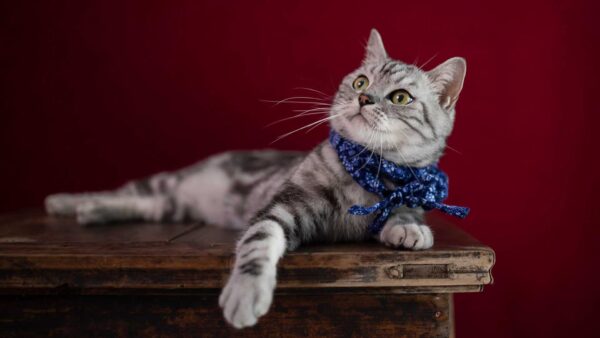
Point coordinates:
[[424, 187]]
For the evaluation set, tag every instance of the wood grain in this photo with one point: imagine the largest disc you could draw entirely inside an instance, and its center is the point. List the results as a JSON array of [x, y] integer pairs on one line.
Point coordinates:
[[305, 315], [41, 252], [60, 279]]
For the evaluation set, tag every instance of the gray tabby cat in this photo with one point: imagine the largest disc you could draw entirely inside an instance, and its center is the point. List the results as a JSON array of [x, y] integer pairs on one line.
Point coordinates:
[[284, 199]]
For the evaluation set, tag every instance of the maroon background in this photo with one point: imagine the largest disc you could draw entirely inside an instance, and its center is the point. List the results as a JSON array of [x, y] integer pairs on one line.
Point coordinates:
[[96, 92]]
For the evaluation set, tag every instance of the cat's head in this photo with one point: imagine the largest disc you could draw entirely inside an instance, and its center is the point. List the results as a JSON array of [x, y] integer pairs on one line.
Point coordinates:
[[397, 109]]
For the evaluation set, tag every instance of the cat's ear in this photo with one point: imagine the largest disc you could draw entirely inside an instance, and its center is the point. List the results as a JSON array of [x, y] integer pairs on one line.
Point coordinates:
[[447, 80], [375, 52]]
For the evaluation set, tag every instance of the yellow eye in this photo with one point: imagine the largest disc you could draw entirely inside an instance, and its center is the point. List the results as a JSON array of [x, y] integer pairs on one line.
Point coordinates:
[[360, 83], [400, 96]]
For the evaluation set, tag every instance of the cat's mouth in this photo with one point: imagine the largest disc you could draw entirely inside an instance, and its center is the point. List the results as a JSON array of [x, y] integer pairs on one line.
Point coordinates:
[[360, 118], [359, 115]]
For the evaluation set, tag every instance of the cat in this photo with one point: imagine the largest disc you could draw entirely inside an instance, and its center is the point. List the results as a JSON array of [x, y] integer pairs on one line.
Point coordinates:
[[284, 199]]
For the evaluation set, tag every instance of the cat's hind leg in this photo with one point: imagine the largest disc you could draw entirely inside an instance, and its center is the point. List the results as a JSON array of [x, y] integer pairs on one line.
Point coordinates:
[[146, 199], [66, 204], [151, 208]]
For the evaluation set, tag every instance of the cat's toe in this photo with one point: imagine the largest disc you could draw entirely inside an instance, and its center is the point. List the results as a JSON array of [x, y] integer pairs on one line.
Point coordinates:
[[60, 204], [238, 310], [393, 235], [411, 236], [418, 237], [225, 293], [89, 213], [427, 236], [245, 298]]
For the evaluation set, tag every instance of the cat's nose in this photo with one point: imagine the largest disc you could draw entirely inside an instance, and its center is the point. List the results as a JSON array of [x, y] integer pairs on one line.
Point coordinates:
[[365, 99]]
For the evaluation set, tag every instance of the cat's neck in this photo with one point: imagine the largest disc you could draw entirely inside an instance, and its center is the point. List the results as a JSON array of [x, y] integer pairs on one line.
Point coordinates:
[[417, 155], [420, 156]]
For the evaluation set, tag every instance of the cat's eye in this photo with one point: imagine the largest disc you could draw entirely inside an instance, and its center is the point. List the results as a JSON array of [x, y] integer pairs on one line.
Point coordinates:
[[401, 97], [361, 82]]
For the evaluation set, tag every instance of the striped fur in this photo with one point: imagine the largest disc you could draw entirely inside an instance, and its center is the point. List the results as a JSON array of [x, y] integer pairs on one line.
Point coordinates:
[[284, 199]]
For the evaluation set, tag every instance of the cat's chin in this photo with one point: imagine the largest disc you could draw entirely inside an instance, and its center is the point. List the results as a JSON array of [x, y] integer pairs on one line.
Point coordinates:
[[360, 127]]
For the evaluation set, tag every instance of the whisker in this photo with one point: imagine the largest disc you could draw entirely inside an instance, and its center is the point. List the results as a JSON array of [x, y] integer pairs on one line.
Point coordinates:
[[314, 90], [380, 156], [306, 113], [426, 62], [368, 142], [325, 109], [404, 159], [400, 153], [369, 159], [449, 147], [308, 126], [296, 99], [372, 151], [315, 126], [416, 61], [300, 102]]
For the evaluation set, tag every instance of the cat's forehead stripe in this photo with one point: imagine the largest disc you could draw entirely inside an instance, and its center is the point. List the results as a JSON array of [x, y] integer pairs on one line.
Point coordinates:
[[390, 66], [396, 70], [392, 62], [403, 77]]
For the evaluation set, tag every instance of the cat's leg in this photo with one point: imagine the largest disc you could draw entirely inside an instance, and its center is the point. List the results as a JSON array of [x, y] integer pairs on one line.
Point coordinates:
[[152, 208], [406, 229], [249, 290], [146, 199], [64, 204]]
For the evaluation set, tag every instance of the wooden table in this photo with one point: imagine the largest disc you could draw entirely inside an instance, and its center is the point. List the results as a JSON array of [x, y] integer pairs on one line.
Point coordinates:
[[61, 279]]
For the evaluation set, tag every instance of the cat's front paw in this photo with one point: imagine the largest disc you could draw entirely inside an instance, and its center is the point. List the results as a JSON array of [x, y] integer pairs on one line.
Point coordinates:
[[246, 297], [411, 236]]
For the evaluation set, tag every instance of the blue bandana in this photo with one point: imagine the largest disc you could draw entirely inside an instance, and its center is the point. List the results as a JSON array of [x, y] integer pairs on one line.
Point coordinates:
[[423, 187]]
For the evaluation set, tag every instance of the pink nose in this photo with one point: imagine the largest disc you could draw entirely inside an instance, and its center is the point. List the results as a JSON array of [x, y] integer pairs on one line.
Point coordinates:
[[364, 99]]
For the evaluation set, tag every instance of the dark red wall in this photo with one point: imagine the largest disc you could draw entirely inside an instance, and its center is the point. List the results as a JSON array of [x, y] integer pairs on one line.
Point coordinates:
[[98, 92]]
